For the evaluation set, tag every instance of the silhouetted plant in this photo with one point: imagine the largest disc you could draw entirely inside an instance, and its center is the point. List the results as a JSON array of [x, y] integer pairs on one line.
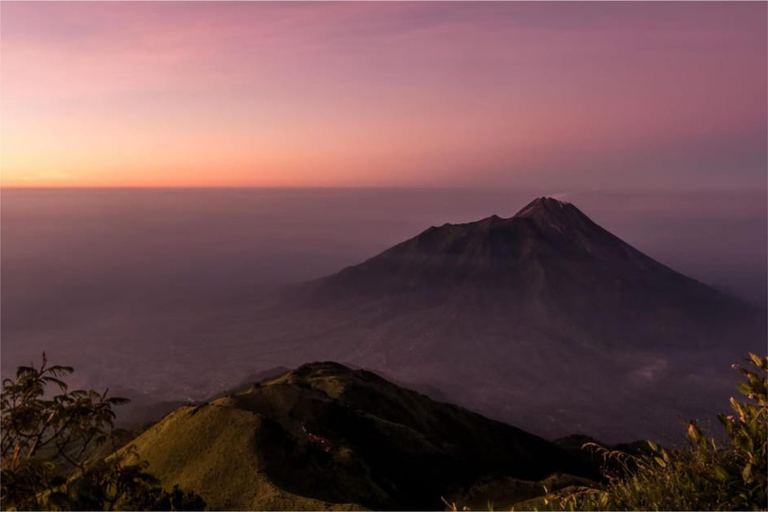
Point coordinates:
[[703, 476], [60, 451]]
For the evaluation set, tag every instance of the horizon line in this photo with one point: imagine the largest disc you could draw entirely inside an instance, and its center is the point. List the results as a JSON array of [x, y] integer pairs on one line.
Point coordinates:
[[700, 188]]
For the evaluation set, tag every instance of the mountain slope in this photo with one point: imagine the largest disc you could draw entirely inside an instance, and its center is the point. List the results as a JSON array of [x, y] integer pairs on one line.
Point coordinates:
[[544, 320], [325, 436], [548, 265]]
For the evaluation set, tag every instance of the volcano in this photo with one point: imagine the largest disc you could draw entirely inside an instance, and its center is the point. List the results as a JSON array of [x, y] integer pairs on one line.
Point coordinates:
[[549, 268], [544, 320]]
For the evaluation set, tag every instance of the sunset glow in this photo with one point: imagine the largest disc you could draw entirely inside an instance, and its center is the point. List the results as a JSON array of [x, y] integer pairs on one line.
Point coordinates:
[[383, 94]]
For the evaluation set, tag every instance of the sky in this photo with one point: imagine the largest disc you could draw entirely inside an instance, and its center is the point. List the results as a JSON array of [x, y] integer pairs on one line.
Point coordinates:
[[542, 94]]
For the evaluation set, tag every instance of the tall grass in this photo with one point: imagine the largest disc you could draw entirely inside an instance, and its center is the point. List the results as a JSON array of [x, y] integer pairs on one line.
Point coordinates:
[[705, 475]]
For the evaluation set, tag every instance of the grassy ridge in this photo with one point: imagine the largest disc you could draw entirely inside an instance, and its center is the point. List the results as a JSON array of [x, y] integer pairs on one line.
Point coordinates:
[[325, 436], [211, 449]]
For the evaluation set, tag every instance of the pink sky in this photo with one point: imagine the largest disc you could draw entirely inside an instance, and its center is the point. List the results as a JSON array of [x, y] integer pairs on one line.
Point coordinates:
[[384, 94]]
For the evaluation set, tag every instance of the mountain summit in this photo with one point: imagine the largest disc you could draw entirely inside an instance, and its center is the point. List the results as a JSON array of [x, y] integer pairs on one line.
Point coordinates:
[[548, 209], [549, 213]]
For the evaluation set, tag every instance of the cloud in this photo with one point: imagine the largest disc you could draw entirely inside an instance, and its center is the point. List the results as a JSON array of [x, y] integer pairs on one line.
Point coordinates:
[[650, 372]]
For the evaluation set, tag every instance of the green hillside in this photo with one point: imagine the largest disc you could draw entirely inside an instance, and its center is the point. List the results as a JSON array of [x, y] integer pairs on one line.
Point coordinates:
[[328, 437]]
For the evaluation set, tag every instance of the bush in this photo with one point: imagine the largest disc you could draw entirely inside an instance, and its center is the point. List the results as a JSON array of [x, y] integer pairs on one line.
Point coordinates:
[[703, 476], [61, 452]]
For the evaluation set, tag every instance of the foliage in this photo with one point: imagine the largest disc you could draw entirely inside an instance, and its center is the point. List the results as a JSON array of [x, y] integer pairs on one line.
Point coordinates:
[[54, 449], [704, 476]]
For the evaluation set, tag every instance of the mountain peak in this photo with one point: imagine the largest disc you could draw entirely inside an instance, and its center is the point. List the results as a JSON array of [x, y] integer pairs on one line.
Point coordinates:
[[547, 237], [550, 213], [545, 206]]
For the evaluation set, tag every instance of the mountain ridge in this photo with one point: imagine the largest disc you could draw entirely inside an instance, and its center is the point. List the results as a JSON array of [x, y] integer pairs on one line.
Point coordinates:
[[324, 436]]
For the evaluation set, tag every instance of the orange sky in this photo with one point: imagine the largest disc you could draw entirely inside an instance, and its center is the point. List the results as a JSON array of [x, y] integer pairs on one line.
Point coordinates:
[[382, 94]]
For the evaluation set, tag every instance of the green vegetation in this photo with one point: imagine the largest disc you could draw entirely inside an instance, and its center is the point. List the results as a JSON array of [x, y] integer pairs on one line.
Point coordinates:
[[706, 475], [325, 437], [328, 437], [60, 451]]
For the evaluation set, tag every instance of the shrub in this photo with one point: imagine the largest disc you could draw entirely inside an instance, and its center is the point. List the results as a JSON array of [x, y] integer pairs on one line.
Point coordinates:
[[703, 476], [60, 452]]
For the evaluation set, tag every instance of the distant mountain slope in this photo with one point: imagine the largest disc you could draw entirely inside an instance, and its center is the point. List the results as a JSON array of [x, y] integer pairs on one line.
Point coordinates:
[[544, 319], [548, 266], [325, 436]]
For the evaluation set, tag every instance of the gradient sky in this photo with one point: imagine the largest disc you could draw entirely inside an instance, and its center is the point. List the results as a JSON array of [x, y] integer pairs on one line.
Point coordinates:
[[564, 95]]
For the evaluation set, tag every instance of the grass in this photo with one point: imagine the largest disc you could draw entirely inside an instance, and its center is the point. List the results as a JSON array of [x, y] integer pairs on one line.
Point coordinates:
[[327, 437], [211, 449]]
